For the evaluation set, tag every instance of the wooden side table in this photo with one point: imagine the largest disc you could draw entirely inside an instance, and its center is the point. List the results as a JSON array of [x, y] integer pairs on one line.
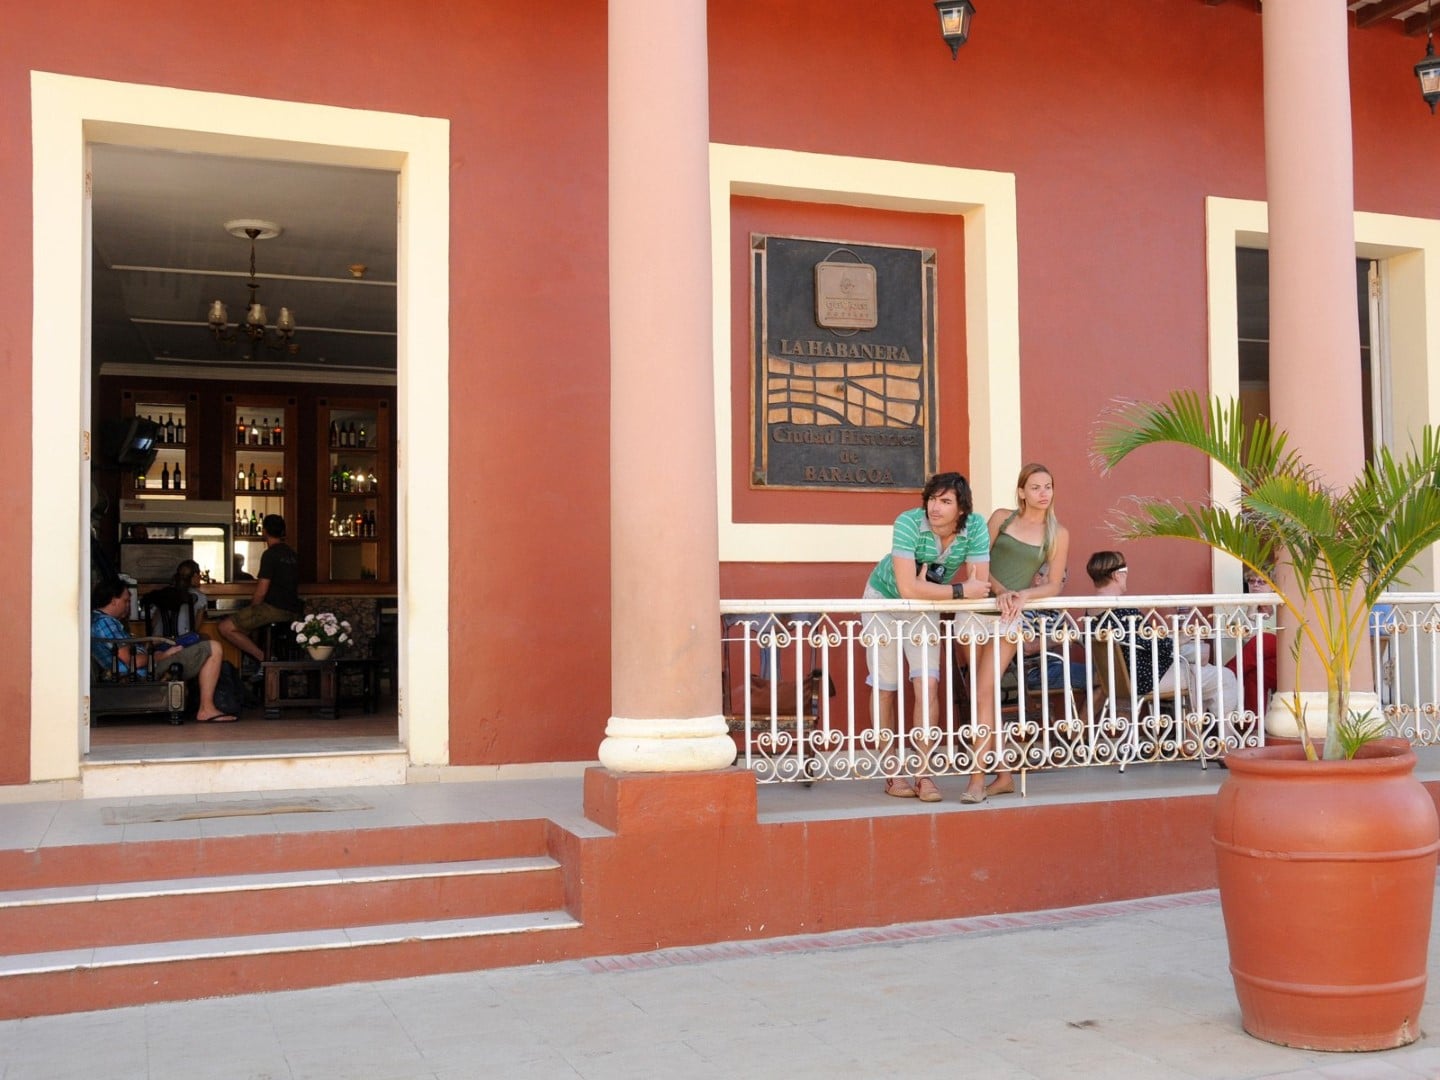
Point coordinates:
[[314, 679]]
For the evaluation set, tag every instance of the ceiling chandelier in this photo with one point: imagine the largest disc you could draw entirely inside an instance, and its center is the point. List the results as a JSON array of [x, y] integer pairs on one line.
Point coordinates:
[[253, 325]]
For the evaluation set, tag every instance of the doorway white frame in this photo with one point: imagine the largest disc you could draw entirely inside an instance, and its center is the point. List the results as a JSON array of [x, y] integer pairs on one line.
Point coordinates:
[[68, 114], [1408, 250]]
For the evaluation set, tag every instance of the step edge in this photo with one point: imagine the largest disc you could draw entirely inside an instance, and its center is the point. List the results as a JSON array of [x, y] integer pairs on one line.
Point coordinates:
[[283, 879], [303, 941]]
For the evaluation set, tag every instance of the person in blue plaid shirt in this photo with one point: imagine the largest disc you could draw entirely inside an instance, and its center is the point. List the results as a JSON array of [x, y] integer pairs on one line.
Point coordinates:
[[109, 601]]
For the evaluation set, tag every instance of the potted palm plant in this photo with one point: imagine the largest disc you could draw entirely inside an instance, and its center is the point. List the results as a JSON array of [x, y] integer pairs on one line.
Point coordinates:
[[1325, 862]]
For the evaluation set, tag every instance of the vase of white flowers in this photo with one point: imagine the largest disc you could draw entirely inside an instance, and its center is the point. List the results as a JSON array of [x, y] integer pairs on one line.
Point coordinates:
[[320, 633]]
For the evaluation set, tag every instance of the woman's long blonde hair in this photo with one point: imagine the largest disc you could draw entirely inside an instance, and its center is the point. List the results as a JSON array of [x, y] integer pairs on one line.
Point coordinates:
[[1052, 524]]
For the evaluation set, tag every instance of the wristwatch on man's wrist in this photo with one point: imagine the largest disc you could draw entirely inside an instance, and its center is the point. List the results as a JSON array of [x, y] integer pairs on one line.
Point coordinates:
[[957, 590]]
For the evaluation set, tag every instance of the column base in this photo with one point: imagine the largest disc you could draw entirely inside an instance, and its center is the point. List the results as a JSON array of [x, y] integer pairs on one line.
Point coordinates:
[[1281, 723], [673, 803], [697, 744]]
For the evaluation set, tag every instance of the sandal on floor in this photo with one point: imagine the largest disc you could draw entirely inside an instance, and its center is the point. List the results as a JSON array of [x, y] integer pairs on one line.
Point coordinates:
[[972, 797], [926, 791], [992, 792], [901, 789], [218, 718]]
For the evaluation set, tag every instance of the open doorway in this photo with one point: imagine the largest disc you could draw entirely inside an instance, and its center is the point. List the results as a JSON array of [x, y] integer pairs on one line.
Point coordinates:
[[69, 114], [247, 309], [1252, 278]]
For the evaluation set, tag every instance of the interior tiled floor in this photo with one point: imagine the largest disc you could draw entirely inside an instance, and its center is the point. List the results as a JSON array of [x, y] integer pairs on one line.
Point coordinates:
[[156, 731]]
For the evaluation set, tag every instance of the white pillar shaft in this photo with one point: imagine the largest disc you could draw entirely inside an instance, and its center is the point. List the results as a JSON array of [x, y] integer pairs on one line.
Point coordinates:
[[665, 623], [1314, 331], [1309, 174]]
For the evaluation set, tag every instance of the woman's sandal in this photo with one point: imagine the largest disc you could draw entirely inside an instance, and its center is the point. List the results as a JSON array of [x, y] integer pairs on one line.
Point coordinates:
[[899, 788], [972, 797], [993, 789], [926, 791]]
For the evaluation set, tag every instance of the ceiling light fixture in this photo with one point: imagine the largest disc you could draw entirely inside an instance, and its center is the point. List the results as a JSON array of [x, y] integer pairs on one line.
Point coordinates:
[[254, 325], [1428, 70], [955, 16]]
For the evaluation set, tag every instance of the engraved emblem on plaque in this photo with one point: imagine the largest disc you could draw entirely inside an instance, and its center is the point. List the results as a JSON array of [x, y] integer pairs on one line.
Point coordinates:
[[845, 296]]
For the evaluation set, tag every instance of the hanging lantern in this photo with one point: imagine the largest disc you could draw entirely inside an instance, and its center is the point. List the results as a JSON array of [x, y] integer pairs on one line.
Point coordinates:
[[955, 16]]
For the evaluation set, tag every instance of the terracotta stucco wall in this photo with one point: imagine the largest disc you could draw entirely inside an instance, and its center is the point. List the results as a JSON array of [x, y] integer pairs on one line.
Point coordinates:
[[1116, 126]]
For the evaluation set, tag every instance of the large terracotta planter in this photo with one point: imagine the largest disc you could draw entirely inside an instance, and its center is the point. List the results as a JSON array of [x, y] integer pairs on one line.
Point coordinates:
[[1327, 879]]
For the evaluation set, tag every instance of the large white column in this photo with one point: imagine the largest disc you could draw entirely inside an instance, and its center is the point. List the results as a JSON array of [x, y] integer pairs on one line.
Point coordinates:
[[664, 555], [1309, 175]]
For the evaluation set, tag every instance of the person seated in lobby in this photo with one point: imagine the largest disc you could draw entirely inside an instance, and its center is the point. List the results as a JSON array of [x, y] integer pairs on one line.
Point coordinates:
[[1163, 668], [277, 593], [110, 601], [181, 596]]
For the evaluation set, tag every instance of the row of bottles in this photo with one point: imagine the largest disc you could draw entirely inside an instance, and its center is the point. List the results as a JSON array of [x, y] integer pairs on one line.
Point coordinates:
[[360, 524], [169, 481], [347, 434], [259, 432], [247, 525], [347, 481], [171, 431], [249, 481]]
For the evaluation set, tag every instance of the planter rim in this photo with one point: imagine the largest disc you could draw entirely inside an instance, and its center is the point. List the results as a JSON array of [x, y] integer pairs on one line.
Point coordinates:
[[1378, 757]]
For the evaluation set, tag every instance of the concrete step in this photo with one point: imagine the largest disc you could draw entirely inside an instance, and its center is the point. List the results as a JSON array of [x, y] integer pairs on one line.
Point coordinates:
[[77, 980], [141, 859], [103, 925], [117, 913]]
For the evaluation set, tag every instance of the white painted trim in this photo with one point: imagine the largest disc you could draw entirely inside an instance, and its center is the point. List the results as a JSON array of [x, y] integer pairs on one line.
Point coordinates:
[[1410, 249], [66, 114], [986, 200]]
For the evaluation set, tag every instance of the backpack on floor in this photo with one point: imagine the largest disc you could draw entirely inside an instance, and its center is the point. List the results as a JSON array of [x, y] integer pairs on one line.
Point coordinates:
[[229, 690]]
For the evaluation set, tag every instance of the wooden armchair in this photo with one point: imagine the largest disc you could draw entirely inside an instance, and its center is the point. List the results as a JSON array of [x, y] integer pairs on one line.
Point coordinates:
[[136, 693]]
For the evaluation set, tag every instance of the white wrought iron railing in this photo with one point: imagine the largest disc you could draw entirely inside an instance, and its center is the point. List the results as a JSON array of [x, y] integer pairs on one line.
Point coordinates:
[[798, 703]]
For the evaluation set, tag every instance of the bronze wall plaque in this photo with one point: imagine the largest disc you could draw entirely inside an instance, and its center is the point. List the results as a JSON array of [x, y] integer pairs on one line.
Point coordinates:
[[843, 381]]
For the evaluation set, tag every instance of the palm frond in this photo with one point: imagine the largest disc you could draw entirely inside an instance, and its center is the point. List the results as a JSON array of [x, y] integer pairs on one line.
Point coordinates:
[[1216, 428]]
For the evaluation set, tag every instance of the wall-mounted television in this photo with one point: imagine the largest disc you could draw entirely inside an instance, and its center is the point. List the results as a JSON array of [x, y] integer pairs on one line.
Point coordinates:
[[128, 444]]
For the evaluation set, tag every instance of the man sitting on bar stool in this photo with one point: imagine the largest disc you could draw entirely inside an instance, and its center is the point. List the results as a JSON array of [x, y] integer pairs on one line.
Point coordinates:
[[276, 598]]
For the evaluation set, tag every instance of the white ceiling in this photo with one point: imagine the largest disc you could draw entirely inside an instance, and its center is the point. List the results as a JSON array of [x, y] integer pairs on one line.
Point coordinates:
[[161, 255]]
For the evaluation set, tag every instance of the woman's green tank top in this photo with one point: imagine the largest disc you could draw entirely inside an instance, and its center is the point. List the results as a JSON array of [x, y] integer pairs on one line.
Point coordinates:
[[1013, 563]]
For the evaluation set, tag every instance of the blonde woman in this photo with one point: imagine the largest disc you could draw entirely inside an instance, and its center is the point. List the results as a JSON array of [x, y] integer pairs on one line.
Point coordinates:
[[1022, 540]]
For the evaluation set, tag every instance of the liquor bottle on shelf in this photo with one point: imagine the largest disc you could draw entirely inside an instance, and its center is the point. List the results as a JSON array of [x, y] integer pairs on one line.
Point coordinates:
[[254, 524], [180, 429], [170, 428], [334, 433], [265, 479], [252, 479], [140, 481], [240, 429], [165, 477], [335, 480], [279, 481], [267, 435], [360, 439], [177, 478], [241, 480], [239, 522], [254, 433], [278, 433]]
